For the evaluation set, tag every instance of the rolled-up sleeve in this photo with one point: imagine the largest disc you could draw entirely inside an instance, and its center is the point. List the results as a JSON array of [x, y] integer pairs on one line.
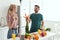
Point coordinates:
[[41, 17]]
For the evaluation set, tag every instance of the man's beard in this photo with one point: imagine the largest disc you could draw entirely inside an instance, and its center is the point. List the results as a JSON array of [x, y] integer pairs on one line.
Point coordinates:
[[36, 11]]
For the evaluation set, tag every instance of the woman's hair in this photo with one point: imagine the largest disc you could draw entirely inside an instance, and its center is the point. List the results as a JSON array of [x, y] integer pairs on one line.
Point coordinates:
[[11, 8]]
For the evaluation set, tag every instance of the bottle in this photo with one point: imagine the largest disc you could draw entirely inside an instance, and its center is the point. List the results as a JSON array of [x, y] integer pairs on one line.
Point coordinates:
[[27, 27], [13, 35], [39, 31]]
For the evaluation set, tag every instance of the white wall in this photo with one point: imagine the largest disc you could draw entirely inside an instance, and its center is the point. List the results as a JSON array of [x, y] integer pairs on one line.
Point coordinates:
[[51, 10], [4, 5], [36, 2]]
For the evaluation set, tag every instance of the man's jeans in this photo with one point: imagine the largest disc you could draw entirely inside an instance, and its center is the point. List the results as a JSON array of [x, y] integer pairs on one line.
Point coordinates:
[[10, 31]]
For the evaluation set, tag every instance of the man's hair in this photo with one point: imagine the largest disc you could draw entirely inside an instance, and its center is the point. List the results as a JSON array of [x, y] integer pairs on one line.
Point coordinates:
[[37, 6]]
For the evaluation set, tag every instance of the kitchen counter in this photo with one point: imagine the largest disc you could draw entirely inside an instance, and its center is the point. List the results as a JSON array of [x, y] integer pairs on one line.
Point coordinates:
[[3, 27], [17, 38], [49, 35], [4, 30]]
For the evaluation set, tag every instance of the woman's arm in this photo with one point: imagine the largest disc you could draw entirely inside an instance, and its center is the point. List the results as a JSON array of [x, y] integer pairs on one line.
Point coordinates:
[[14, 21], [8, 21]]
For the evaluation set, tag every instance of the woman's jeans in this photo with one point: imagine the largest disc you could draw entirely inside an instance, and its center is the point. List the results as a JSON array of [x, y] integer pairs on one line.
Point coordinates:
[[10, 31]]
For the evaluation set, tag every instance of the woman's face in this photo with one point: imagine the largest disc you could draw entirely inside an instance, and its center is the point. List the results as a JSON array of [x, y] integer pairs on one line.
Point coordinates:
[[15, 8]]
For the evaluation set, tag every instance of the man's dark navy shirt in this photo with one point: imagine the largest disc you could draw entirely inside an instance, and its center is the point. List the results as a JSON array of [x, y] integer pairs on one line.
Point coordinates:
[[36, 19]]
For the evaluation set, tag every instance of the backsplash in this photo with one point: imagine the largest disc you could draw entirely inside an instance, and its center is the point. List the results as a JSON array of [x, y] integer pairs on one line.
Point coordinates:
[[3, 21]]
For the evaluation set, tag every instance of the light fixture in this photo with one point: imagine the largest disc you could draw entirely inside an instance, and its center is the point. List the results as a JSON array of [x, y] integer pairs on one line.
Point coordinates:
[[20, 1]]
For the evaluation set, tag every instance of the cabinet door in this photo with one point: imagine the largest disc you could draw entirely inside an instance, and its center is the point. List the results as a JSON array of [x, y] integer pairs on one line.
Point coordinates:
[[5, 31], [1, 35]]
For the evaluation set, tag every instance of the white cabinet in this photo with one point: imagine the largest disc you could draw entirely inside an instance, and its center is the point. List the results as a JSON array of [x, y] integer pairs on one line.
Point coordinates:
[[3, 33], [22, 30]]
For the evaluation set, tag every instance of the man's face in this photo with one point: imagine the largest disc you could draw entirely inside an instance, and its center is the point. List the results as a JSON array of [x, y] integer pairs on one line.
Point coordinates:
[[36, 9]]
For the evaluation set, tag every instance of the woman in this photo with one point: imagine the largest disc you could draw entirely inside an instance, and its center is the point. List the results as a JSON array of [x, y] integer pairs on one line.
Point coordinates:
[[12, 20]]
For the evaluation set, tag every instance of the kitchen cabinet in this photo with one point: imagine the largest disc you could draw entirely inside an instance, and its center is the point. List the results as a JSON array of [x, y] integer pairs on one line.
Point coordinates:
[[3, 33]]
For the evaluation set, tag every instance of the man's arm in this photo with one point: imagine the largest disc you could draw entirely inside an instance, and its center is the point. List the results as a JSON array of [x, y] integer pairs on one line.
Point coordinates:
[[42, 24]]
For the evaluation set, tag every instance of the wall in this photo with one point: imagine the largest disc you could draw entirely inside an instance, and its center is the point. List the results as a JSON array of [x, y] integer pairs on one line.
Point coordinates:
[[51, 10], [4, 5]]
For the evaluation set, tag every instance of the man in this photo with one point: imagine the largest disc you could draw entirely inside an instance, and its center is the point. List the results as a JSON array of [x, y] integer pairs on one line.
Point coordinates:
[[36, 19]]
